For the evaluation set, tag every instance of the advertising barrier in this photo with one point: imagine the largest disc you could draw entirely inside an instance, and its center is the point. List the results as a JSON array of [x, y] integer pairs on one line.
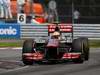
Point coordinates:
[[10, 31]]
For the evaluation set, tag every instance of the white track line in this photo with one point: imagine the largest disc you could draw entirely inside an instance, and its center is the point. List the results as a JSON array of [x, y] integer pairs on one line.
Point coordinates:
[[3, 48], [17, 48], [14, 48]]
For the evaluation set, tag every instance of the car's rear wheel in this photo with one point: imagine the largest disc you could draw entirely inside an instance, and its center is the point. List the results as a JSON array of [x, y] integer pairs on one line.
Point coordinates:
[[28, 46]]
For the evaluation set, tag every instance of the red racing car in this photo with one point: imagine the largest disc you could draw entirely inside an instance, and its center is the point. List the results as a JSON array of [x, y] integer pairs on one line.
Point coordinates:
[[59, 46]]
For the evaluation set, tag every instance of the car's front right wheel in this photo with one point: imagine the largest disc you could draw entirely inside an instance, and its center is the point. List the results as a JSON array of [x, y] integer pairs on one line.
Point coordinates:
[[28, 46]]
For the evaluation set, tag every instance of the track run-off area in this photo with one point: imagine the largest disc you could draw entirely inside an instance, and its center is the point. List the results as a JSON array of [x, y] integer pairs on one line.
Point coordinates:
[[11, 64]]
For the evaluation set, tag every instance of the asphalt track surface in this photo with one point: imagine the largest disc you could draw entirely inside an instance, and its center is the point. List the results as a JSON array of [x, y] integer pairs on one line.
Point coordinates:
[[10, 64]]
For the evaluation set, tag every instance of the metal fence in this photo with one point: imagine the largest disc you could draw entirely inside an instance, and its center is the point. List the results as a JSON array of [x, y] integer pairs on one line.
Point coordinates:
[[92, 31], [29, 31]]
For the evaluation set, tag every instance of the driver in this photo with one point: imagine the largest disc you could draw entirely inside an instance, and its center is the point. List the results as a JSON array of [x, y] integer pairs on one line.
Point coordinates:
[[56, 35], [54, 40]]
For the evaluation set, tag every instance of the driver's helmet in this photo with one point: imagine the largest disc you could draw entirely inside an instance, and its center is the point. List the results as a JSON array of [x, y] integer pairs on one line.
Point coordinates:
[[56, 34]]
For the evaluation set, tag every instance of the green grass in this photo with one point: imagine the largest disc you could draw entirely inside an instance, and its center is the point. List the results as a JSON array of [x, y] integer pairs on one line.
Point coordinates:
[[14, 44], [11, 44], [92, 43]]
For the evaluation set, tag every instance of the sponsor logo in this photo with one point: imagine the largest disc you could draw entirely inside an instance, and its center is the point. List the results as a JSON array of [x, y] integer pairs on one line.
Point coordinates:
[[8, 31]]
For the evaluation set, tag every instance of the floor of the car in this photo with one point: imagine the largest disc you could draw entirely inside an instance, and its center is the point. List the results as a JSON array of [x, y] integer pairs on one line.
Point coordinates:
[[51, 53]]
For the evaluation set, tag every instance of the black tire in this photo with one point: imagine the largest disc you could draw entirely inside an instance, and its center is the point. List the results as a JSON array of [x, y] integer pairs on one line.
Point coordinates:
[[77, 46], [86, 47], [27, 48]]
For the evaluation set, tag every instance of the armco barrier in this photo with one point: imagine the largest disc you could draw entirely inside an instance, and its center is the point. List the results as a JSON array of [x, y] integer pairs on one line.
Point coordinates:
[[92, 31], [33, 31]]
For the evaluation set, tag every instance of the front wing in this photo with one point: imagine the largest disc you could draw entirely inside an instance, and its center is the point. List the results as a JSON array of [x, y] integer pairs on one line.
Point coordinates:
[[39, 56]]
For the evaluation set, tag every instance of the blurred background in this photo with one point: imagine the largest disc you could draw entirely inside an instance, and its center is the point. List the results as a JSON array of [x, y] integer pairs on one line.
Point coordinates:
[[65, 11]]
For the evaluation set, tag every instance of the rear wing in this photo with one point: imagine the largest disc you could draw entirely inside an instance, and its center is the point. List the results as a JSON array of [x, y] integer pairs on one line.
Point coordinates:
[[64, 28]]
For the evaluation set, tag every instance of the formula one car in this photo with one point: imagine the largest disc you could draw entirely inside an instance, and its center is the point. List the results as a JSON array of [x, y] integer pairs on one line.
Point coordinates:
[[58, 47]]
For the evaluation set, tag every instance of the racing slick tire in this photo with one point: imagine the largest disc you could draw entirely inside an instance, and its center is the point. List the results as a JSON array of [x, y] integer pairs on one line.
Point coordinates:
[[77, 47], [86, 47], [27, 48]]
